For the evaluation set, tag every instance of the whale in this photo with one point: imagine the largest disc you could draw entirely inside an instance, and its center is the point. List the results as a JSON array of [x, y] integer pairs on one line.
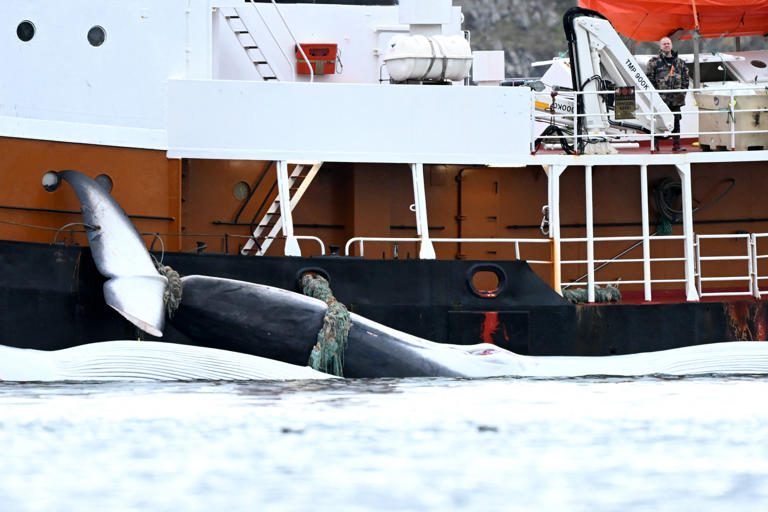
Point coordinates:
[[233, 328], [283, 325], [149, 361]]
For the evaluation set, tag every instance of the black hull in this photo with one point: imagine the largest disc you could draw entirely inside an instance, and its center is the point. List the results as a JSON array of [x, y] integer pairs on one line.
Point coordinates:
[[51, 298]]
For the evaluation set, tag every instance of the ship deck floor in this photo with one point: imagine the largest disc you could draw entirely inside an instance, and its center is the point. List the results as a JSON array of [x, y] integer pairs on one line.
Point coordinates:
[[642, 148]]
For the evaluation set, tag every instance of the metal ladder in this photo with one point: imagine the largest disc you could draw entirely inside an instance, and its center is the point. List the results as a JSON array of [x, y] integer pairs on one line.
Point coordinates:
[[272, 222], [248, 43]]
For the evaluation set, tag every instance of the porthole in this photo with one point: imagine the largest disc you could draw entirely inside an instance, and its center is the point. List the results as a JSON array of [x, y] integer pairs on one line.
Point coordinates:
[[241, 190], [315, 271], [105, 181], [96, 36], [25, 31], [486, 280], [758, 64]]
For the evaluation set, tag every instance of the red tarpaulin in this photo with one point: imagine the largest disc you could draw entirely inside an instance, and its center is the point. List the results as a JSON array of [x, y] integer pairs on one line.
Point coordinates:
[[650, 20]]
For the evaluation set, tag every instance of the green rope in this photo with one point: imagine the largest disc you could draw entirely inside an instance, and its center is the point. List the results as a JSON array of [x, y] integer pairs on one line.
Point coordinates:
[[328, 353], [664, 227], [172, 293], [579, 295]]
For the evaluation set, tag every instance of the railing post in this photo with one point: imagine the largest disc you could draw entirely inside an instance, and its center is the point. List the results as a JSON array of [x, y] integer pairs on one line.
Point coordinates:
[[646, 233], [652, 143], [284, 193], [553, 197], [590, 234], [699, 278], [753, 260], [731, 105], [575, 122], [750, 268], [533, 123], [684, 170], [426, 250]]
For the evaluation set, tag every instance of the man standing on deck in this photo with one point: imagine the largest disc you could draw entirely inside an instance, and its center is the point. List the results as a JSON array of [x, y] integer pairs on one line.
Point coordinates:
[[667, 71]]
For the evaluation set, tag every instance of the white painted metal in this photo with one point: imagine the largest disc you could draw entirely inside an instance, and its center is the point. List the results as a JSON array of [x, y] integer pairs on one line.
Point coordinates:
[[553, 200], [684, 171], [598, 44], [697, 265], [360, 240], [361, 33], [748, 257], [295, 41], [425, 12], [275, 210], [248, 43], [619, 239], [59, 87], [731, 105], [274, 39], [756, 256], [314, 239], [301, 121], [286, 218], [590, 234], [646, 232], [426, 249]]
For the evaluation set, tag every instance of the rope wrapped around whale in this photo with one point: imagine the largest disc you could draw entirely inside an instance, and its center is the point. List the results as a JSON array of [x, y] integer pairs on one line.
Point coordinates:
[[328, 353]]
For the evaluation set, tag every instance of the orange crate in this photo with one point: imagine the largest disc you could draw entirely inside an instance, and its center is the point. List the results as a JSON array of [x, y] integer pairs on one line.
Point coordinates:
[[322, 56]]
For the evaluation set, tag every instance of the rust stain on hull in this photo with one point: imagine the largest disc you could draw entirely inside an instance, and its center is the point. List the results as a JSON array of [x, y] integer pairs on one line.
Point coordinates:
[[747, 321], [490, 327]]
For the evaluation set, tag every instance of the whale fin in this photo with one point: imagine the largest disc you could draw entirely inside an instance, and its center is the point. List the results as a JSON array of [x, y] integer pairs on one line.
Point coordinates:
[[134, 287], [140, 300]]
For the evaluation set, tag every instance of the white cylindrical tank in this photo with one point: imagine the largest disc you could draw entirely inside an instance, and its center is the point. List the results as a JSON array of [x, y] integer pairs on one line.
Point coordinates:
[[428, 58]]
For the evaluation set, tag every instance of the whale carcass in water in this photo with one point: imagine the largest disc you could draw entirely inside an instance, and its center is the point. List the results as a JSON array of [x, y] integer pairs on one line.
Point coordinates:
[[133, 288], [142, 361], [279, 324]]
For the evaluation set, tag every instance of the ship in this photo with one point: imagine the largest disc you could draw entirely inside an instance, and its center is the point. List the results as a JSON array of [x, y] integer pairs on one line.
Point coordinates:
[[367, 143]]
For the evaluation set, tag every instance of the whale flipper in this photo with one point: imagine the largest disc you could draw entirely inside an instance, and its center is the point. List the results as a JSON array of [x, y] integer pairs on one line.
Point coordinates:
[[134, 288]]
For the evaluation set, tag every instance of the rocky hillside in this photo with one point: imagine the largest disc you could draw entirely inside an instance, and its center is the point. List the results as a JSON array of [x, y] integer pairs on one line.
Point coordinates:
[[527, 30], [532, 30]]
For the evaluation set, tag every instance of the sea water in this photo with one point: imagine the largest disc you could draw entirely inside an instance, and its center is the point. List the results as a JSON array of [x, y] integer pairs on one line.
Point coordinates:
[[587, 444]]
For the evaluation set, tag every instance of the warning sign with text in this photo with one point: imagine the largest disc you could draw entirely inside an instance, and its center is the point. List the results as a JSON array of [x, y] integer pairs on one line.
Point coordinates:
[[624, 105]]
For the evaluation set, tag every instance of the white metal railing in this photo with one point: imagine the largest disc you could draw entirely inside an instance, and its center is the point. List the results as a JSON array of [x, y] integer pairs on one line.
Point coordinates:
[[361, 240], [278, 237], [757, 257], [647, 277], [749, 254], [747, 257], [571, 120], [277, 41]]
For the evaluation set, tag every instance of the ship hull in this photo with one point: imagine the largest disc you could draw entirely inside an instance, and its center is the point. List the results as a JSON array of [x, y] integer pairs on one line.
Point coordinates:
[[51, 297]]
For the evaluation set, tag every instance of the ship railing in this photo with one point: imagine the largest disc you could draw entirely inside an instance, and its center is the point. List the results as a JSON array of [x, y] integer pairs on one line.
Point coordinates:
[[360, 241], [290, 33], [594, 265], [757, 257], [279, 237], [747, 257], [570, 121]]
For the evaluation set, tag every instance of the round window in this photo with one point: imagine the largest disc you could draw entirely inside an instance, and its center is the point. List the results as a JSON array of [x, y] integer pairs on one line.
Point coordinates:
[[96, 36], [25, 30], [486, 280], [241, 190], [758, 64]]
